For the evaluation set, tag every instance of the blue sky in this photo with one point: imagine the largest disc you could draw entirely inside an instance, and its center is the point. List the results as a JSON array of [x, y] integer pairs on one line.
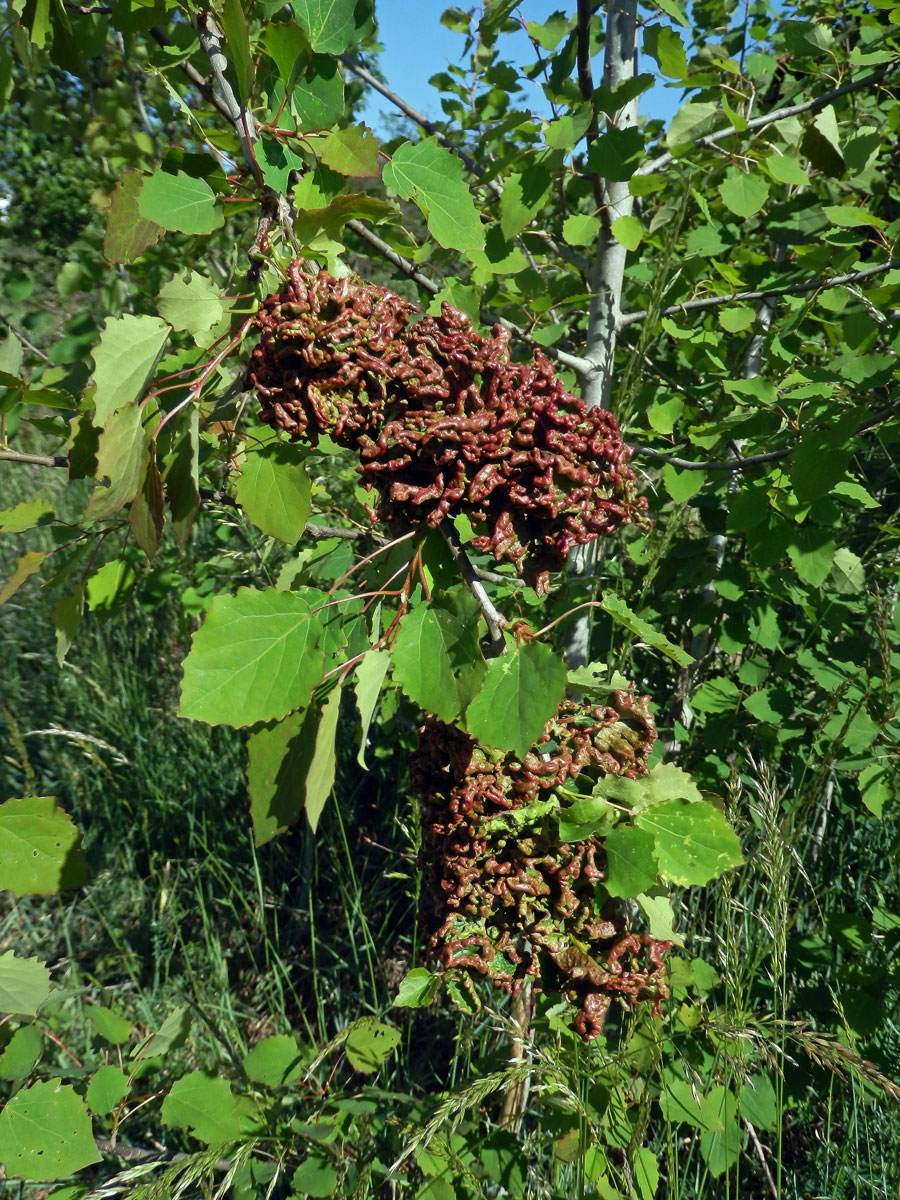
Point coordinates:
[[417, 46]]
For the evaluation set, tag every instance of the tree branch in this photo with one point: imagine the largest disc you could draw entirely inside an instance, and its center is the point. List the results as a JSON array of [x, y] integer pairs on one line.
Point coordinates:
[[779, 114], [791, 289], [34, 460], [22, 339], [609, 271], [193, 76], [583, 61], [241, 118], [496, 623]]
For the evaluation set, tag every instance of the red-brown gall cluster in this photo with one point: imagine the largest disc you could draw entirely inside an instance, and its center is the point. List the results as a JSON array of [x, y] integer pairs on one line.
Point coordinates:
[[512, 901], [443, 422]]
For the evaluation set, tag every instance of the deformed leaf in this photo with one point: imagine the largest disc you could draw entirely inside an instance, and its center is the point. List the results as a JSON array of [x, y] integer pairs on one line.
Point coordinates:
[[40, 848], [24, 985], [520, 693], [694, 842], [255, 658], [429, 174], [45, 1133], [274, 491]]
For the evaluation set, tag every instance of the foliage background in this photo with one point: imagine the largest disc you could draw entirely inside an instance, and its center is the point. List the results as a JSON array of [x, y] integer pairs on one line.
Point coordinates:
[[780, 578]]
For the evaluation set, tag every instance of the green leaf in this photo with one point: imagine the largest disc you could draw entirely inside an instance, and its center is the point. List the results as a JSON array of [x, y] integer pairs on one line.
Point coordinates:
[[24, 984], [616, 154], [694, 842], [369, 680], [311, 223], [784, 168], [627, 232], [736, 318], [683, 1104], [682, 485], [288, 47], [279, 758], [274, 491], [744, 390], [120, 458], [822, 144], [191, 303], [29, 564], [330, 25], [876, 788], [743, 193], [67, 615], [171, 1035], [417, 989], [370, 1043], [430, 175], [521, 692], [620, 612], [665, 46], [180, 202], [205, 1105], [437, 660], [45, 1133], [26, 515], [564, 132], [275, 1061], [320, 778], [631, 866], [692, 121], [758, 1102], [237, 40], [21, 1054], [314, 1177], [109, 1025], [124, 361], [108, 1086], [351, 151], [255, 658], [581, 230], [110, 587], [812, 553], [657, 908], [40, 848], [318, 97], [717, 695]]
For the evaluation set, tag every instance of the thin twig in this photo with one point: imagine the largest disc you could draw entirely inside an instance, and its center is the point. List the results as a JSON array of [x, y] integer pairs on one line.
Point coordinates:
[[761, 1155], [791, 289], [35, 460], [779, 114], [241, 118], [496, 623], [193, 76], [20, 337]]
